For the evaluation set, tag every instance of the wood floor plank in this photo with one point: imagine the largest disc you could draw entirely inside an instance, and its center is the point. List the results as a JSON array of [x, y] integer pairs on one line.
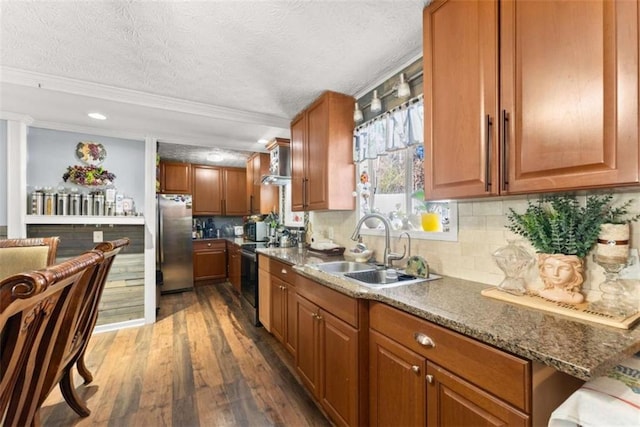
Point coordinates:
[[201, 364]]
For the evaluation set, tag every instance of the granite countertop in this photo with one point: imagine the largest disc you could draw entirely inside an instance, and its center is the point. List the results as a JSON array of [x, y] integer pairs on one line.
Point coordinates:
[[582, 349]]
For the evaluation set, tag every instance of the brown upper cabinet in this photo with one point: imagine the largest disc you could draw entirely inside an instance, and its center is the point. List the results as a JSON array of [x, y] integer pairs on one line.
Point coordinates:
[[261, 199], [322, 169], [234, 186], [218, 191], [175, 178], [207, 190], [530, 96]]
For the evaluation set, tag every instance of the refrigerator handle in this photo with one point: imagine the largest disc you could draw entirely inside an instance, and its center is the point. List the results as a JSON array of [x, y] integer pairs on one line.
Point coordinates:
[[160, 235]]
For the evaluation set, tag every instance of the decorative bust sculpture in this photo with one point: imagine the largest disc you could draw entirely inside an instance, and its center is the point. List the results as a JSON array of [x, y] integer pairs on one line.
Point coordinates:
[[562, 276]]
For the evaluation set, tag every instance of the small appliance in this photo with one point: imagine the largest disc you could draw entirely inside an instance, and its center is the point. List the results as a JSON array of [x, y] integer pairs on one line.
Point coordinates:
[[257, 231]]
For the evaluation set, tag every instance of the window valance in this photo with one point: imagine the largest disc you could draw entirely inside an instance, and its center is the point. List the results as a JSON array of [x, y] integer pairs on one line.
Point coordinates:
[[396, 129]]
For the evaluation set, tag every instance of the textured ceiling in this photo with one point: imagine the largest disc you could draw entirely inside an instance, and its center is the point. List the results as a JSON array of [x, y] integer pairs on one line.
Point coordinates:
[[207, 73]]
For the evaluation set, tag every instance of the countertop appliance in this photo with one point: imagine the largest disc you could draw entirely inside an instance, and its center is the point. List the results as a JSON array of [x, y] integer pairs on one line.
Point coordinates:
[[249, 280], [256, 231], [174, 256]]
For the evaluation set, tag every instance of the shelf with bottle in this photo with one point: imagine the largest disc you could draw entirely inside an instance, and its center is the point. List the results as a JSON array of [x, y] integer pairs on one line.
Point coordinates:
[[85, 219]]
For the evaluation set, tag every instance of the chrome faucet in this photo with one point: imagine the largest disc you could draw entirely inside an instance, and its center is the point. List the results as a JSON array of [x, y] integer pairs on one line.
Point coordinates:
[[389, 257]]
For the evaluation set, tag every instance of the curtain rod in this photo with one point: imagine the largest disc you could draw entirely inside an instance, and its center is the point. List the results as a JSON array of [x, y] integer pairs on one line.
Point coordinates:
[[386, 113]]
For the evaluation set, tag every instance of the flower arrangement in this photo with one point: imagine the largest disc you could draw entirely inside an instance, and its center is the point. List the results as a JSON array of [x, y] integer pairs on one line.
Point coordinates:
[[90, 176]]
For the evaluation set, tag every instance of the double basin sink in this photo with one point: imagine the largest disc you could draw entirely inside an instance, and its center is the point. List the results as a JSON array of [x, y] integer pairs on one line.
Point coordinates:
[[370, 275]]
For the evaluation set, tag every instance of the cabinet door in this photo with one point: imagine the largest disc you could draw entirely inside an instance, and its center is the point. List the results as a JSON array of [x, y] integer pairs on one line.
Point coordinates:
[[460, 107], [209, 265], [397, 384], [207, 190], [266, 197], [317, 142], [298, 163], [249, 184], [291, 330], [339, 369], [308, 350], [278, 304], [235, 184], [176, 177], [264, 297], [452, 401], [570, 92]]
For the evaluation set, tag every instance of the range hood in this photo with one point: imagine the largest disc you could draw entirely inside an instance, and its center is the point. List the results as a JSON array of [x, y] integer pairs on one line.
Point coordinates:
[[280, 163]]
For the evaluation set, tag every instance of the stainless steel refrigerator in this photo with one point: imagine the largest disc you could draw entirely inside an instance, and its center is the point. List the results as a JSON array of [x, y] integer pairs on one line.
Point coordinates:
[[174, 257]]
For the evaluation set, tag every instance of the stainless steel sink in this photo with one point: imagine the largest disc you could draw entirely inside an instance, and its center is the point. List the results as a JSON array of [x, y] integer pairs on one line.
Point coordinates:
[[386, 278], [369, 275], [341, 267]]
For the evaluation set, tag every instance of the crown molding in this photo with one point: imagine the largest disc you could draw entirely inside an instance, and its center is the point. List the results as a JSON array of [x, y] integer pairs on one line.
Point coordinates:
[[97, 90], [24, 118]]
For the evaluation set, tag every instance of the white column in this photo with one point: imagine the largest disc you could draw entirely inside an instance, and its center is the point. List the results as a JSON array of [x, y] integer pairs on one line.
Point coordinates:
[[16, 179], [150, 230]]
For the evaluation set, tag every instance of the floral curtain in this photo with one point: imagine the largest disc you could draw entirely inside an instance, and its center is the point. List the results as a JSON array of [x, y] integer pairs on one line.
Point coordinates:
[[397, 129]]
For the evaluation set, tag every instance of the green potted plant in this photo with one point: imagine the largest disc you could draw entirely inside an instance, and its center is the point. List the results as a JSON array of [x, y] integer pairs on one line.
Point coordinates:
[[562, 231]]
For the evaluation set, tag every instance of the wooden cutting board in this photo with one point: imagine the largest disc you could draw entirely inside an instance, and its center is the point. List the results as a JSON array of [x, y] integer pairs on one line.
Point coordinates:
[[580, 311]]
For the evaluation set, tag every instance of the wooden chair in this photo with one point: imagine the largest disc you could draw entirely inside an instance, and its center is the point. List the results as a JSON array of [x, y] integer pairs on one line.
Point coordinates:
[[35, 310], [83, 328], [22, 255]]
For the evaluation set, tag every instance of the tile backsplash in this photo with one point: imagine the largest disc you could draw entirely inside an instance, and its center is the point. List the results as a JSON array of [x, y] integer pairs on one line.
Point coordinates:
[[481, 230]]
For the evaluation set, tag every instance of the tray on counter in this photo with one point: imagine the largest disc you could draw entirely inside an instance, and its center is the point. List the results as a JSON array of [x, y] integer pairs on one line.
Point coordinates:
[[326, 252]]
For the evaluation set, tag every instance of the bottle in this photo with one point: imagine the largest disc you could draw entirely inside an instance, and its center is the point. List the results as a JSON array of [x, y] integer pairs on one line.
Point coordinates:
[[194, 231]]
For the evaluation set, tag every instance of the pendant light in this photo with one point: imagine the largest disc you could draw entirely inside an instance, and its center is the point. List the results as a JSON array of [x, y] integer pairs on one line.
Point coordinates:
[[403, 88], [357, 114], [376, 104]]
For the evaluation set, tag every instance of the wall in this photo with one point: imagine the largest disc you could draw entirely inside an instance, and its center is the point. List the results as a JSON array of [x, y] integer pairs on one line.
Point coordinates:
[[50, 152], [481, 230], [123, 297], [3, 178]]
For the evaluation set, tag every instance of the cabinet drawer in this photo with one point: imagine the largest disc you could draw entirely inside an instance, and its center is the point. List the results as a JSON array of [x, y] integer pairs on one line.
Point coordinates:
[[283, 271], [497, 372], [264, 263], [340, 305], [203, 245]]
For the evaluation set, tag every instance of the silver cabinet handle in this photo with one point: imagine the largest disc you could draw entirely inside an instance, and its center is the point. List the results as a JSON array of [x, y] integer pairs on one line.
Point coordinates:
[[208, 245], [424, 340], [283, 271], [416, 369], [430, 379]]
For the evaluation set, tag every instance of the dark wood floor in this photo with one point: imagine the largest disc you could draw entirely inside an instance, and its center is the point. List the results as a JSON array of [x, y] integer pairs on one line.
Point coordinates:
[[201, 364]]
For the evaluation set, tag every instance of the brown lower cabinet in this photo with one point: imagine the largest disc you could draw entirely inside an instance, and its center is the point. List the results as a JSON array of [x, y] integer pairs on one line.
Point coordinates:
[[447, 377], [330, 349], [283, 298], [209, 260], [367, 363]]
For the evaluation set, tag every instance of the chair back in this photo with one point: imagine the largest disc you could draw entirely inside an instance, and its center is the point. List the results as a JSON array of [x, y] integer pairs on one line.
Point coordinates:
[[86, 321], [22, 255], [34, 316]]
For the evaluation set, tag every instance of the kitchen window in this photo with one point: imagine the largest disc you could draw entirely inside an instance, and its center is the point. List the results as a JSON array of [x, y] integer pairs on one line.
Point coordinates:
[[389, 155]]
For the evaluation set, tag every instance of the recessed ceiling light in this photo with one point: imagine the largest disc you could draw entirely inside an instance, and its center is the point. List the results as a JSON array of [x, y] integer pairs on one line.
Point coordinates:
[[97, 116], [214, 157], [263, 141]]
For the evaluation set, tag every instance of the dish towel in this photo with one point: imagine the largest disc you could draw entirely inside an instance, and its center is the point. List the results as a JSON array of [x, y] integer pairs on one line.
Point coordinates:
[[609, 400]]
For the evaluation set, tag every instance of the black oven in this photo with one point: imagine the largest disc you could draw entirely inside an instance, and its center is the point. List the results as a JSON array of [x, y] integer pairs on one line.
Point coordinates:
[[249, 281]]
